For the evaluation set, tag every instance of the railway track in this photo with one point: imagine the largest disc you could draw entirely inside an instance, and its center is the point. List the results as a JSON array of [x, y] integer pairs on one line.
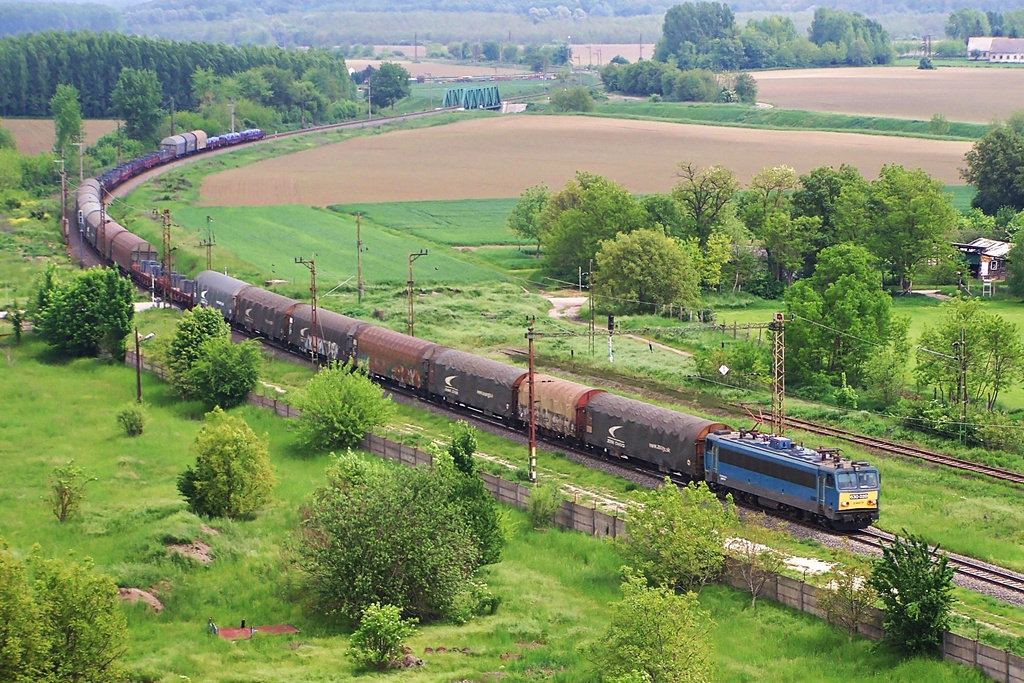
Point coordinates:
[[966, 567], [908, 451]]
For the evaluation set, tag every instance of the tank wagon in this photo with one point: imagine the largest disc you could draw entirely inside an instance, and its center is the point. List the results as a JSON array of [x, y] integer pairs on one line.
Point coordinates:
[[768, 471]]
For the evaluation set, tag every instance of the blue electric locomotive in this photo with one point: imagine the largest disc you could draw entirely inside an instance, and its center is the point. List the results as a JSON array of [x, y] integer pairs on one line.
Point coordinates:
[[774, 473]]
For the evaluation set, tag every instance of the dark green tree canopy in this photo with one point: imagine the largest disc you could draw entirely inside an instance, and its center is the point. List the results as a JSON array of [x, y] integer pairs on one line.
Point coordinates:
[[841, 312], [587, 211], [389, 534], [995, 166], [389, 84], [136, 99], [92, 312], [67, 117], [696, 23]]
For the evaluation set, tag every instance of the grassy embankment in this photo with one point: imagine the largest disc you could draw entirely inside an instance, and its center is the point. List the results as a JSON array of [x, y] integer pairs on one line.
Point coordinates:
[[744, 116], [554, 586]]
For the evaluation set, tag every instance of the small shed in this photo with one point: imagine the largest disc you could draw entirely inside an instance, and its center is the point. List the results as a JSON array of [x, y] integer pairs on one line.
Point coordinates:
[[985, 258]]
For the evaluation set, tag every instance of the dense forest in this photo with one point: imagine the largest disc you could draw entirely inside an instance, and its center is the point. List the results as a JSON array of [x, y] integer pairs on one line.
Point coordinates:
[[32, 65]]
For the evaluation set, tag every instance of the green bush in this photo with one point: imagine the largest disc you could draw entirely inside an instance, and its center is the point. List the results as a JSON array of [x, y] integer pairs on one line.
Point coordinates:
[[132, 418], [377, 642], [544, 505]]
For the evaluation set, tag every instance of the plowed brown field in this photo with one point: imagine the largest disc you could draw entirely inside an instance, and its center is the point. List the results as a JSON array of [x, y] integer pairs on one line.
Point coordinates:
[[499, 157], [971, 94], [35, 136]]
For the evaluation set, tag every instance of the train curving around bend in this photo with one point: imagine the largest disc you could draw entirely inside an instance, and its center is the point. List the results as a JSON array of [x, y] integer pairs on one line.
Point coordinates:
[[768, 471], [132, 255]]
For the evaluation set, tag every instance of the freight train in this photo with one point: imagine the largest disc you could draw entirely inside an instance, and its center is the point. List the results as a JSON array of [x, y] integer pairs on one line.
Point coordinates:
[[132, 255], [769, 471]]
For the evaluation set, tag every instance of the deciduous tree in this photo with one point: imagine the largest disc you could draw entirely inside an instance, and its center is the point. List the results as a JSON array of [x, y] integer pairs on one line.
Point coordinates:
[[676, 534], [655, 635], [339, 406], [81, 621], [22, 648], [915, 583], [995, 166], [67, 117], [911, 220], [225, 372], [232, 476], [194, 329], [524, 221], [389, 84], [702, 195], [572, 99], [377, 533], [587, 211], [757, 560], [841, 312], [645, 269], [90, 313], [136, 99]]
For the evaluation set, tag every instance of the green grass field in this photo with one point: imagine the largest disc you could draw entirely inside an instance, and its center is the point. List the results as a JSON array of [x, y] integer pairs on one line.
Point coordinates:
[[794, 119], [471, 222], [555, 586], [271, 238]]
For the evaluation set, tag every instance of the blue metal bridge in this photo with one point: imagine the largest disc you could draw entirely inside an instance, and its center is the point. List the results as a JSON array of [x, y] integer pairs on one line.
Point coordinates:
[[475, 97]]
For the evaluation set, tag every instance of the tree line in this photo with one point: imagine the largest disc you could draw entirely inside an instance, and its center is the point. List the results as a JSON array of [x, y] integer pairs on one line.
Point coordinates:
[[705, 35], [32, 65]]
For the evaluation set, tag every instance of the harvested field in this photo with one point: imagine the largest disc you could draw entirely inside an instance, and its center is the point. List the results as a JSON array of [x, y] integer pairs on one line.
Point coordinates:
[[969, 94], [500, 157], [35, 136]]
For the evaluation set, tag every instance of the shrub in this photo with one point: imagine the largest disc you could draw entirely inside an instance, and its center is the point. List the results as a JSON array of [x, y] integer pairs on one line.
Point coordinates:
[[67, 489], [232, 476], [572, 99], [544, 505], [339, 406], [132, 418], [378, 641]]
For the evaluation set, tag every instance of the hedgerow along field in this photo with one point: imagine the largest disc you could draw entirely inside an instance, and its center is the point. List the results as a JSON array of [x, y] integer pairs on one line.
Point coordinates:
[[500, 156], [555, 586], [35, 136], [969, 94]]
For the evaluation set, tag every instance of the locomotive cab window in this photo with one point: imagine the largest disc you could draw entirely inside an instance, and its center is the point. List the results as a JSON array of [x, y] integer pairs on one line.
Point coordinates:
[[830, 482], [850, 481]]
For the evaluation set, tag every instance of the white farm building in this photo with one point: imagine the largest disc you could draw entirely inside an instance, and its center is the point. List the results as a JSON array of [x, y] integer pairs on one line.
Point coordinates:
[[998, 50]]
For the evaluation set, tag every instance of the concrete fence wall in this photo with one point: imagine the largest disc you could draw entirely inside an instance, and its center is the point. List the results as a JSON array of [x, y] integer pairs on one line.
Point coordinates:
[[999, 665]]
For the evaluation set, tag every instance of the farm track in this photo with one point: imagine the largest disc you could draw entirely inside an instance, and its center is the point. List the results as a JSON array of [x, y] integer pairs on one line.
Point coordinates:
[[909, 451]]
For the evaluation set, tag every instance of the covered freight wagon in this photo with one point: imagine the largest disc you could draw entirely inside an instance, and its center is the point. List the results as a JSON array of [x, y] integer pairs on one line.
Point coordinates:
[[465, 379], [218, 291], [559, 404], [129, 251], [263, 312], [332, 338], [394, 356], [668, 439]]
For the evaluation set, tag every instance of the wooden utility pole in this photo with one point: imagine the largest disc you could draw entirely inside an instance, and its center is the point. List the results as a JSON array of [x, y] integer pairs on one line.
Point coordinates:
[[359, 256], [412, 257], [167, 256]]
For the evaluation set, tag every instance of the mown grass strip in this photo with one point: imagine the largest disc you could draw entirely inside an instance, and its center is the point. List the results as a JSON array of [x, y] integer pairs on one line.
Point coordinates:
[[742, 116]]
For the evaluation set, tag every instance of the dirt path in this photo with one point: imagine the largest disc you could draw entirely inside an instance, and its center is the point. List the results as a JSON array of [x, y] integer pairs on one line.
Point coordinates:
[[567, 307]]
